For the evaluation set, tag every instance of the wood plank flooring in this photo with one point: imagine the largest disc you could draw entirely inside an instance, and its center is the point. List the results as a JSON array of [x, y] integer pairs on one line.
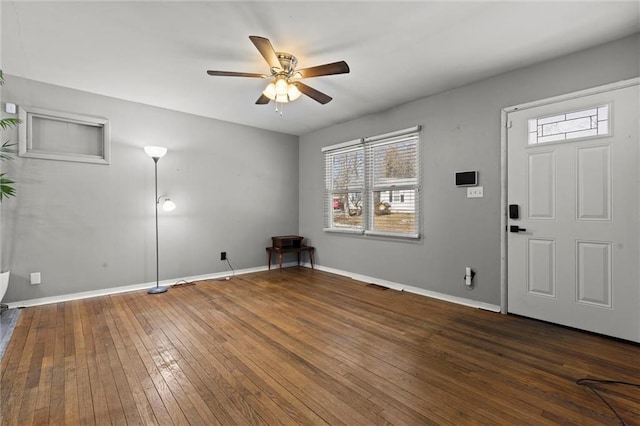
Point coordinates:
[[302, 346]]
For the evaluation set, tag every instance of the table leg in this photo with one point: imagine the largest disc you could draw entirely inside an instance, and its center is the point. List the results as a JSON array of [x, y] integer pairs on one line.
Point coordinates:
[[269, 257], [311, 257], [280, 259]]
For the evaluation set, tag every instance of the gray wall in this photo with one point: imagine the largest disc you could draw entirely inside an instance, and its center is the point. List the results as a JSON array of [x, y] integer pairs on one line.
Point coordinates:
[[87, 227], [461, 132]]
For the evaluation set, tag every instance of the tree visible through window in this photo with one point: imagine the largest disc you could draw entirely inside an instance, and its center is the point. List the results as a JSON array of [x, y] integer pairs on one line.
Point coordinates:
[[347, 186], [372, 185]]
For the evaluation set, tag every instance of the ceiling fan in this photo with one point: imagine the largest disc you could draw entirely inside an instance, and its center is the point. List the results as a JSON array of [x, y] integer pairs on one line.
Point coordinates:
[[285, 86]]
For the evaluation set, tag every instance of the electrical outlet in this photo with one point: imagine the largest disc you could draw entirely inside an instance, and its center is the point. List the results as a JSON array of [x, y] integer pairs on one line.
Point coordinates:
[[223, 255], [475, 192]]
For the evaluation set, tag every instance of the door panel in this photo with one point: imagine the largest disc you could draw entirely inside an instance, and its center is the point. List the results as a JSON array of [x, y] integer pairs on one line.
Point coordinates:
[[573, 168], [542, 185], [542, 268], [594, 273], [594, 183]]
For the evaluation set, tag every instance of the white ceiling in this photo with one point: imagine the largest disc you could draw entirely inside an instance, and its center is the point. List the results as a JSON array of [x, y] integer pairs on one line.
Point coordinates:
[[158, 52]]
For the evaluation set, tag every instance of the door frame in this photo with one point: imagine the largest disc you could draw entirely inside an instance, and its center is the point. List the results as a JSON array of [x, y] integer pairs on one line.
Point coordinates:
[[504, 126]]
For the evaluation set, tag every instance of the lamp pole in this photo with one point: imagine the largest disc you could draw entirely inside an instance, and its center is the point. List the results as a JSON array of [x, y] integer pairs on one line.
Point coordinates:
[[156, 153]]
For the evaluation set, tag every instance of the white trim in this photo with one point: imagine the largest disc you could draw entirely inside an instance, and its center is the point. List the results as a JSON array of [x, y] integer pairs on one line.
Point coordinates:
[[412, 236], [134, 287], [503, 216], [415, 290], [504, 116], [402, 132], [575, 95], [218, 275], [344, 231], [347, 144]]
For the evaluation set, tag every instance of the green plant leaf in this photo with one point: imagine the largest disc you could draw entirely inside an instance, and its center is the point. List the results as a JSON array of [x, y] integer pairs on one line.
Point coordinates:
[[7, 123], [6, 187], [6, 150]]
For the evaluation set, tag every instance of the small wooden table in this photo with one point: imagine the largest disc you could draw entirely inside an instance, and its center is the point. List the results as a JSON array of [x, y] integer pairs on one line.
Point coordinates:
[[288, 244]]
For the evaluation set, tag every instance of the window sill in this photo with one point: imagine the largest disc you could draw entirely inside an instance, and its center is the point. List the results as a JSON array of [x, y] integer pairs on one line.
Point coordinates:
[[392, 235], [373, 233], [344, 230]]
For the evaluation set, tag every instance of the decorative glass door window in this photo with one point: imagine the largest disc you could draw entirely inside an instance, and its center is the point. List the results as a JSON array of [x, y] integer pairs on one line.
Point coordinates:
[[568, 126]]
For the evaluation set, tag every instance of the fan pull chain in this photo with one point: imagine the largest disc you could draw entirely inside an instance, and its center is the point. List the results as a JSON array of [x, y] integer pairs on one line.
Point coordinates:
[[281, 109]]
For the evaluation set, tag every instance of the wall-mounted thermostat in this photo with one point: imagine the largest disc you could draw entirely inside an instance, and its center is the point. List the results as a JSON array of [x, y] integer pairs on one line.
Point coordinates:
[[469, 178], [10, 108]]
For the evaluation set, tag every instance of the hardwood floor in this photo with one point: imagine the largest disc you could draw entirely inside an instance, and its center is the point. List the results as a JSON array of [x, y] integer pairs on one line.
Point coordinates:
[[303, 346]]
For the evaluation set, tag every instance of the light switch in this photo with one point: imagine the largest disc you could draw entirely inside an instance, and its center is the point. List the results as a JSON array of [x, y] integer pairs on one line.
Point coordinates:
[[474, 192], [10, 108], [35, 278]]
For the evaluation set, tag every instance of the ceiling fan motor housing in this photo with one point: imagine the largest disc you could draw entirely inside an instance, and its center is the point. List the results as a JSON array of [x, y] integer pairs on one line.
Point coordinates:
[[288, 63]]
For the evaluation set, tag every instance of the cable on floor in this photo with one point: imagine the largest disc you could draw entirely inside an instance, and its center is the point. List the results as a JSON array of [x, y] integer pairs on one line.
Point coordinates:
[[589, 383], [233, 271], [181, 283]]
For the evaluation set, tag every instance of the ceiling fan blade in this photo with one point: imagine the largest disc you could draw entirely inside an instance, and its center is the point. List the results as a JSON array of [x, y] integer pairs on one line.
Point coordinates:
[[262, 100], [236, 74], [326, 69], [313, 93], [266, 50]]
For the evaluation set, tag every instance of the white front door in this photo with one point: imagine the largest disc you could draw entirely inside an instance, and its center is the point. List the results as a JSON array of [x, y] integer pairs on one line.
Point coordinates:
[[573, 252]]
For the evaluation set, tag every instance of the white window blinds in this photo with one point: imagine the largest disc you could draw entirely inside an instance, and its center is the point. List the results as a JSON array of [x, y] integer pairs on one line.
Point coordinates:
[[344, 186], [373, 185]]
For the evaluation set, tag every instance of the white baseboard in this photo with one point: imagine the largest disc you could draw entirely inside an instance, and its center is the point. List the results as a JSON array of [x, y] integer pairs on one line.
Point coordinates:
[[134, 287], [219, 275], [416, 290]]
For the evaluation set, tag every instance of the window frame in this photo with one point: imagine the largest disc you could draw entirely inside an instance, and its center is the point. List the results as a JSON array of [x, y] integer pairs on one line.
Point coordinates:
[[368, 145]]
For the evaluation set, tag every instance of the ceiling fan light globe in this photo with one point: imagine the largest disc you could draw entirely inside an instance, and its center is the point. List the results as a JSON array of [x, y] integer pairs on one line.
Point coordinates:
[[281, 87], [282, 98], [292, 92], [270, 91]]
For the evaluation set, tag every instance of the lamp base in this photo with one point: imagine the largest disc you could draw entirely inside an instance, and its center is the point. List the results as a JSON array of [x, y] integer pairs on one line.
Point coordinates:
[[155, 290]]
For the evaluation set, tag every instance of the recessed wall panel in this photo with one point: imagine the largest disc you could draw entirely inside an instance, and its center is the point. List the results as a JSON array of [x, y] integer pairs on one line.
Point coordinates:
[[541, 274], [594, 273], [541, 183], [594, 183]]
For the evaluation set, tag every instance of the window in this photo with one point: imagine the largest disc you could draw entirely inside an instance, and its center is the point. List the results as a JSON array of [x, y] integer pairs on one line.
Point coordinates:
[[55, 135], [573, 125], [372, 185]]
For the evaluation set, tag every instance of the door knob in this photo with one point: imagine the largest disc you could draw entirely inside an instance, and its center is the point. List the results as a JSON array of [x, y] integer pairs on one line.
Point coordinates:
[[516, 228]]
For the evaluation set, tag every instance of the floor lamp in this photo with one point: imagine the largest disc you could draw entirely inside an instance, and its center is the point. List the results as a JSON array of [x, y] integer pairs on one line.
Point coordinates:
[[156, 153]]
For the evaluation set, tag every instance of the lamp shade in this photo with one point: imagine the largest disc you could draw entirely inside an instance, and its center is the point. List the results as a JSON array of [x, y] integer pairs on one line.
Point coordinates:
[[155, 151], [168, 205]]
